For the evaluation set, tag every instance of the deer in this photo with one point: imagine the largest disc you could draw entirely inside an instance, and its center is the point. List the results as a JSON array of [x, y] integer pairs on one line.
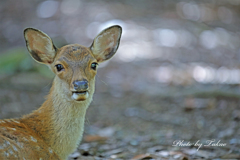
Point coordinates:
[[55, 130]]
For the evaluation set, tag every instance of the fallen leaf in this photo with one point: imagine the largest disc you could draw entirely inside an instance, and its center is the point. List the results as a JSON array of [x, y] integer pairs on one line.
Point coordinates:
[[94, 138], [142, 156], [231, 156]]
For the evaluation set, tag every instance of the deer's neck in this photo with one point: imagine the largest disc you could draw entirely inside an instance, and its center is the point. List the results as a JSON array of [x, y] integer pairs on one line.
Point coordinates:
[[60, 122]]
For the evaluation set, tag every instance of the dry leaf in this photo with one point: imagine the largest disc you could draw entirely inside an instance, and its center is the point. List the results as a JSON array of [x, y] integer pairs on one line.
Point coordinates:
[[94, 138], [142, 156]]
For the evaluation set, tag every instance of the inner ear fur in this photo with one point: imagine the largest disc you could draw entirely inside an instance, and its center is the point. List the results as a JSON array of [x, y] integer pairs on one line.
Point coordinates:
[[40, 45], [106, 43]]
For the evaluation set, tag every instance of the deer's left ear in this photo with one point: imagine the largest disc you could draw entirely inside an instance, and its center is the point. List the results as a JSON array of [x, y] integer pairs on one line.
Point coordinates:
[[106, 43]]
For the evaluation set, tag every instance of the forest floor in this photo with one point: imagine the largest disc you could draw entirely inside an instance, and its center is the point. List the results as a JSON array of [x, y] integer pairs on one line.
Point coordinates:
[[157, 122]]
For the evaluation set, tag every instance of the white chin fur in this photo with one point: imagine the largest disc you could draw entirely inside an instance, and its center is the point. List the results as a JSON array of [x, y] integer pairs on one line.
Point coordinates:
[[75, 96]]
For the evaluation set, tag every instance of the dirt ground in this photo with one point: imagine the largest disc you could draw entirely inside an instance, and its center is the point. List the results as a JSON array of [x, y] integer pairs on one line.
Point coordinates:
[[171, 92], [137, 124]]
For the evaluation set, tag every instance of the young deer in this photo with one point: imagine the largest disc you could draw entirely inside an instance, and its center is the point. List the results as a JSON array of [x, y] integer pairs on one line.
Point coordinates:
[[55, 129]]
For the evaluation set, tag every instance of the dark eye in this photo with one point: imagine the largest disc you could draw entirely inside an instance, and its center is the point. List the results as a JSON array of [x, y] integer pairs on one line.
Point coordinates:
[[59, 67], [94, 66]]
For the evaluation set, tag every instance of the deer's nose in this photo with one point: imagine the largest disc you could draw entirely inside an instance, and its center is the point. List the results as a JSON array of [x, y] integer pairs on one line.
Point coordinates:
[[80, 85]]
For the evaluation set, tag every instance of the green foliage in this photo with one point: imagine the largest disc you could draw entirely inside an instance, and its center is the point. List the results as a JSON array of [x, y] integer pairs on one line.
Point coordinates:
[[13, 60], [18, 60]]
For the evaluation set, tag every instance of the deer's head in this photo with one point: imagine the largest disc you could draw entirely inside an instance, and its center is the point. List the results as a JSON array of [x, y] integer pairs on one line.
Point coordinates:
[[75, 66]]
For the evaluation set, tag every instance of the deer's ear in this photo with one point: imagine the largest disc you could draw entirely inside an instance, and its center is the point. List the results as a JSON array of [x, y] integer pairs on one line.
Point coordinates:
[[40, 46], [106, 43]]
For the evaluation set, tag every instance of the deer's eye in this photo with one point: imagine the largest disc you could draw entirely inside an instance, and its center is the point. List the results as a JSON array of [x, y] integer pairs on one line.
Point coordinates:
[[59, 67], [94, 66]]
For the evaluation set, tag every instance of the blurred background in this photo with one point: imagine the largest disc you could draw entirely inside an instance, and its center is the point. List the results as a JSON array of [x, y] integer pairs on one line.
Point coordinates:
[[176, 74]]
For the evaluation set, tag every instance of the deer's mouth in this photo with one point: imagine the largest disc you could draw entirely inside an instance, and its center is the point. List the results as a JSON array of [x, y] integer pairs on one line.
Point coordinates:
[[80, 95], [80, 92]]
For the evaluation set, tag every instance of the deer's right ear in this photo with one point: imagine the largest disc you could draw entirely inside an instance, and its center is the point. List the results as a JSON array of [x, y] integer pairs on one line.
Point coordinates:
[[40, 46]]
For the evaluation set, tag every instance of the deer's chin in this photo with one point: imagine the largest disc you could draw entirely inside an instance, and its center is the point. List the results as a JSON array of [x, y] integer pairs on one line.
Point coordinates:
[[80, 96]]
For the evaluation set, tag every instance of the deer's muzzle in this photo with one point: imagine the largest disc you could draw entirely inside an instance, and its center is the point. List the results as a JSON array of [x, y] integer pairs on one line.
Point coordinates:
[[80, 92]]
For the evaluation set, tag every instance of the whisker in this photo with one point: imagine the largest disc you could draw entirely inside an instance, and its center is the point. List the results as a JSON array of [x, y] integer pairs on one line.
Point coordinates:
[[101, 80]]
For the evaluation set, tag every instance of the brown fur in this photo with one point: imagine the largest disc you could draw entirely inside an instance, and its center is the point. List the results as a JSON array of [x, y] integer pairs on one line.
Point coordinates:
[[55, 129]]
